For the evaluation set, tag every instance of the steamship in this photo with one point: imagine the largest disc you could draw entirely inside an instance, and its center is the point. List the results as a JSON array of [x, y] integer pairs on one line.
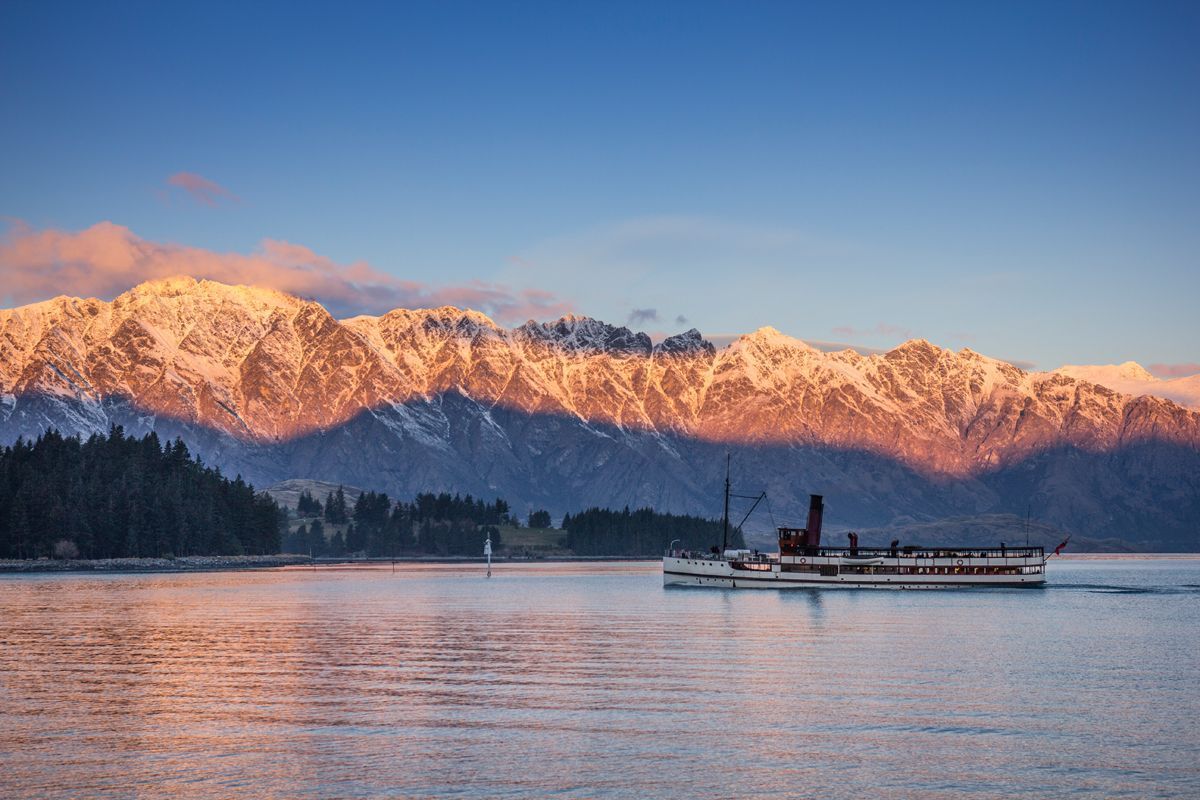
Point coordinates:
[[802, 562]]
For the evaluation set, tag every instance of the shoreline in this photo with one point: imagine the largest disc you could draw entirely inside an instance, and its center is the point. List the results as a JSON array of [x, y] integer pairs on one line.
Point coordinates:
[[234, 563], [181, 564]]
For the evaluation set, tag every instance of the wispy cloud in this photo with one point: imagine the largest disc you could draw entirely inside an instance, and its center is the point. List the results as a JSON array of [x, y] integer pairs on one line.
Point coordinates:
[[106, 259], [641, 316], [201, 189], [881, 329], [681, 320], [1174, 370]]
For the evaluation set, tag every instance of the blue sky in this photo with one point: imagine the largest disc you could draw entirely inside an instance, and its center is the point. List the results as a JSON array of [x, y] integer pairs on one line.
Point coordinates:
[[1020, 178]]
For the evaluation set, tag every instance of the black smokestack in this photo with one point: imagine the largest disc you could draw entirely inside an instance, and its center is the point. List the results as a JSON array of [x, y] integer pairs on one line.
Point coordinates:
[[815, 508]]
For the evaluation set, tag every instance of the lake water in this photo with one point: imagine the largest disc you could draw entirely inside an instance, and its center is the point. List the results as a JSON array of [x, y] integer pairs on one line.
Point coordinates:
[[591, 680]]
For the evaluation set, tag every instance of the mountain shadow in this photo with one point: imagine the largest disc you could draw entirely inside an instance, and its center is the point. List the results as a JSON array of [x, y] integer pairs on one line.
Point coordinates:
[[1146, 493]]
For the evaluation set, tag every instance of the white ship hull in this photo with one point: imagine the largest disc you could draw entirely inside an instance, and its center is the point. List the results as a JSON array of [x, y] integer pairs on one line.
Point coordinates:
[[837, 571], [802, 563]]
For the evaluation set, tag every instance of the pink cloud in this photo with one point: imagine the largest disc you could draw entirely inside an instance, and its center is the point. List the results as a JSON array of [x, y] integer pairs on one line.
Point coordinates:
[[106, 259], [202, 190], [1174, 370]]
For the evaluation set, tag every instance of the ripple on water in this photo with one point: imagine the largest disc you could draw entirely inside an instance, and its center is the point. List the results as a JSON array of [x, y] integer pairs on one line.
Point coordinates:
[[592, 680]]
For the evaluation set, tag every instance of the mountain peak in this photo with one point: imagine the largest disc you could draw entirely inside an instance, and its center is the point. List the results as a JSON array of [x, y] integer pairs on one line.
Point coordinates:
[[690, 342], [768, 336], [1102, 373], [1135, 371], [917, 344], [459, 316], [185, 286], [587, 335], [172, 284], [917, 350]]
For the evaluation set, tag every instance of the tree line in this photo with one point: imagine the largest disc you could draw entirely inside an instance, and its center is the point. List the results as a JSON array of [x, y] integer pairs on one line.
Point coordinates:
[[119, 496], [432, 524], [444, 524], [644, 532]]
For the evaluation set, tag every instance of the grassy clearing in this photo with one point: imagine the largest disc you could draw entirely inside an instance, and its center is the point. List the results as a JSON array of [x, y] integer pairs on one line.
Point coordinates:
[[330, 528], [515, 541], [534, 541]]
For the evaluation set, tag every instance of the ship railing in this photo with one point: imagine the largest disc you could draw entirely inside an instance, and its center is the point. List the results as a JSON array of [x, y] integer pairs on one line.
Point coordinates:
[[1016, 553], [702, 555], [909, 551]]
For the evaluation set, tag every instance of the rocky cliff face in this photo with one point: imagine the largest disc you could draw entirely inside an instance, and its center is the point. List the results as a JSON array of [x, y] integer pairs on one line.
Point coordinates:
[[577, 412]]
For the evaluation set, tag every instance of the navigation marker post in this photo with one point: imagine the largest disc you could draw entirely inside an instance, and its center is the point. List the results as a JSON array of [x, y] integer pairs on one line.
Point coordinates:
[[487, 551]]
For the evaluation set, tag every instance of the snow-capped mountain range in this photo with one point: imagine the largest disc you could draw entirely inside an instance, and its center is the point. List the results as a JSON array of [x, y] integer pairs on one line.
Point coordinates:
[[577, 412], [1134, 379]]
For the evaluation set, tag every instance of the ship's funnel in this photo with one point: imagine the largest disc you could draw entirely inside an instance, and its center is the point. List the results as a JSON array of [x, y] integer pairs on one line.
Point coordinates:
[[815, 508]]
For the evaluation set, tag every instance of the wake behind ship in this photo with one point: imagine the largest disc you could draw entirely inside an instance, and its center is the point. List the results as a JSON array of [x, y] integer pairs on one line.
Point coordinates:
[[803, 563]]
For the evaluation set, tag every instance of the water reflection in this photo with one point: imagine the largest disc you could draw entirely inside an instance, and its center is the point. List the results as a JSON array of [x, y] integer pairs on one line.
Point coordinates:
[[591, 680]]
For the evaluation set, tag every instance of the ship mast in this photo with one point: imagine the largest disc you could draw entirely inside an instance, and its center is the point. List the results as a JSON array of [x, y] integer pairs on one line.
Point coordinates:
[[725, 527]]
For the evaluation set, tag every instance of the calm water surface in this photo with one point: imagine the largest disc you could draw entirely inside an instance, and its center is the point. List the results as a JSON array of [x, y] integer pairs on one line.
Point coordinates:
[[592, 680]]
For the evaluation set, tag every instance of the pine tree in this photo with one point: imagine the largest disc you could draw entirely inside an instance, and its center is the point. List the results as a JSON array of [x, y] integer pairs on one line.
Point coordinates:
[[316, 538], [307, 505], [337, 544], [340, 500], [356, 541], [115, 496]]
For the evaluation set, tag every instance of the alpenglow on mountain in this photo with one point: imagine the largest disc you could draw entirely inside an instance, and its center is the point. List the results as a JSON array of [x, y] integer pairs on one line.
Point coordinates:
[[576, 413]]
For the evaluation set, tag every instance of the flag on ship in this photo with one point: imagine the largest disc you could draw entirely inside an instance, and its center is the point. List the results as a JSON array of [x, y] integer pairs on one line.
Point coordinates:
[[1058, 549]]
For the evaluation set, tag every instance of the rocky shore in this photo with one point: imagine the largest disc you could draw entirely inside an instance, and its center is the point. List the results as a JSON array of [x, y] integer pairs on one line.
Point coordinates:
[[183, 564]]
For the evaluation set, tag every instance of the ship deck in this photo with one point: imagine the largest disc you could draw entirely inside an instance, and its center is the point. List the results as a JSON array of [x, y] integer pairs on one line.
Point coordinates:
[[907, 567]]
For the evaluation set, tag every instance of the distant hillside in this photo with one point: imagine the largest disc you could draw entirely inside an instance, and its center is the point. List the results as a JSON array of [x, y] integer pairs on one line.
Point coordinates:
[[287, 493]]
